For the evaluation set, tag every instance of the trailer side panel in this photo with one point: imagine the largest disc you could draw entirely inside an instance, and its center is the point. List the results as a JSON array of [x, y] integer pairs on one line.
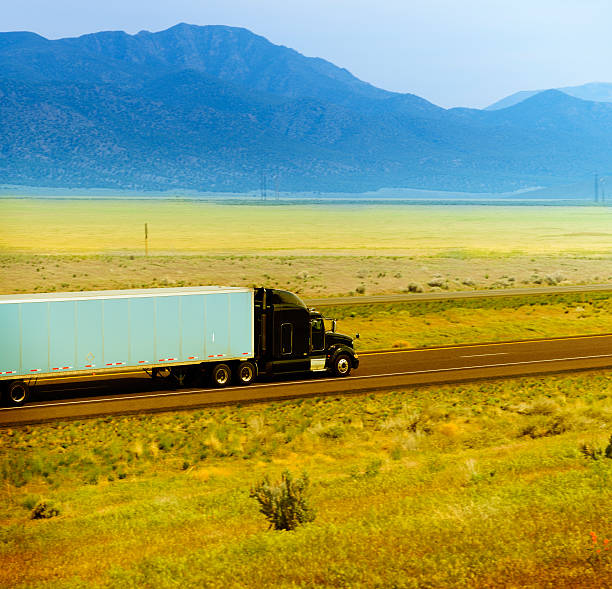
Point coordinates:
[[71, 332]]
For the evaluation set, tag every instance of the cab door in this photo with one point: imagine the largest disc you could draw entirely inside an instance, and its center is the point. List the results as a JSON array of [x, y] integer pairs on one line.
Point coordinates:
[[317, 336], [291, 341]]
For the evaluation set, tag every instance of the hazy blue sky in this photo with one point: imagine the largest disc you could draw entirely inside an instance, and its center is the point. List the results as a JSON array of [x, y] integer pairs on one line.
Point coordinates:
[[452, 52]]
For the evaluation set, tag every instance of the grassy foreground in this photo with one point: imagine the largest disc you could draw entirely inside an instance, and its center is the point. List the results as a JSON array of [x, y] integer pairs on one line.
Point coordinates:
[[479, 485]]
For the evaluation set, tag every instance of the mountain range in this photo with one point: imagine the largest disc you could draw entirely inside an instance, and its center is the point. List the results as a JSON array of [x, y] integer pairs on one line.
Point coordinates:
[[218, 108], [594, 91]]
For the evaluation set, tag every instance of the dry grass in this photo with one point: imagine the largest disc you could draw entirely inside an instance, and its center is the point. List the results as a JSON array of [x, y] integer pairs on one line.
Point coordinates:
[[392, 326], [448, 486], [79, 226], [52, 245], [310, 276]]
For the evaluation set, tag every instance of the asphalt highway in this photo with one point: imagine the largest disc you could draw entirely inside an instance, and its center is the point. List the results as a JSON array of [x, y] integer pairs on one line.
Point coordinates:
[[385, 370]]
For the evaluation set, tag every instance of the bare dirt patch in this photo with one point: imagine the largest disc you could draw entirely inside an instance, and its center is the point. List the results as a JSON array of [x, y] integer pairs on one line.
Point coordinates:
[[310, 276]]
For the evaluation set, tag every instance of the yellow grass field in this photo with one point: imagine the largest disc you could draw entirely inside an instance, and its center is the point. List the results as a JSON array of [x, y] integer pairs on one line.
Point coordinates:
[[87, 226]]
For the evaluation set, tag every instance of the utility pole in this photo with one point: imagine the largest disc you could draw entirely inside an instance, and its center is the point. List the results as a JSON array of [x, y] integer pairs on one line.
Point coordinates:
[[146, 239], [596, 189]]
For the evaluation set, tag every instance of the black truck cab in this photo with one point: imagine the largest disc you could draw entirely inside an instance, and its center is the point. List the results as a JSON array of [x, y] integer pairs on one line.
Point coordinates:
[[290, 337]]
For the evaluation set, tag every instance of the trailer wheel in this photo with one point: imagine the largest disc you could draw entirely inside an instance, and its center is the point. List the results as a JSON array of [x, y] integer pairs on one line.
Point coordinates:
[[17, 393], [220, 375], [341, 365], [245, 373]]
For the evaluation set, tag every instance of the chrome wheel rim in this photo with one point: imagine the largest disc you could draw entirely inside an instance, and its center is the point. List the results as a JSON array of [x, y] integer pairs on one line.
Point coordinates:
[[18, 394], [221, 376], [246, 374], [343, 365]]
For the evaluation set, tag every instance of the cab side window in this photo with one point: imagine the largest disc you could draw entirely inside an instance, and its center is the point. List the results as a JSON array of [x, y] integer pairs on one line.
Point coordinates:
[[317, 334]]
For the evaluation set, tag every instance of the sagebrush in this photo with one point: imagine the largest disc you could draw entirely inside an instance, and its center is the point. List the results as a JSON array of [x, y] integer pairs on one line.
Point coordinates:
[[285, 503]]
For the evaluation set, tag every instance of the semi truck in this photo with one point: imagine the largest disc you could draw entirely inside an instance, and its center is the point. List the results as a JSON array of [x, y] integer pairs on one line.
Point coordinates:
[[223, 334]]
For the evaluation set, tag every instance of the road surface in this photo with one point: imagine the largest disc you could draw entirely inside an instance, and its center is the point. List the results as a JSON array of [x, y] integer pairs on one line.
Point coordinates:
[[461, 294], [383, 370]]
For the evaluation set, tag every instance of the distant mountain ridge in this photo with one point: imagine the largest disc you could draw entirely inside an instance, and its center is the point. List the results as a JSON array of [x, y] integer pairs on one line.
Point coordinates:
[[230, 54], [593, 91], [220, 108]]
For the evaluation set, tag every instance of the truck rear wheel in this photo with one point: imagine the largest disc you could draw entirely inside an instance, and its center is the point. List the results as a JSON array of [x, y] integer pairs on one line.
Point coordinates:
[[341, 365], [220, 375], [245, 373], [17, 393]]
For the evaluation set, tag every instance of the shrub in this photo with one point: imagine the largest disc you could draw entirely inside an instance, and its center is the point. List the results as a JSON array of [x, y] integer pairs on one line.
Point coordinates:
[[30, 501], [333, 431], [44, 510], [594, 453], [373, 468], [553, 426], [284, 504], [438, 281], [554, 278]]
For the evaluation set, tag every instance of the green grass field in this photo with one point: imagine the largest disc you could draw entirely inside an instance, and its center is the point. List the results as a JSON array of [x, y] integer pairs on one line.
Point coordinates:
[[416, 325], [480, 485]]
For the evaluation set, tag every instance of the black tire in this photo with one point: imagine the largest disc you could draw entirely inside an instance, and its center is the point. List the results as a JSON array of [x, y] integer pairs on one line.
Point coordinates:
[[17, 393], [220, 375], [341, 365], [245, 373]]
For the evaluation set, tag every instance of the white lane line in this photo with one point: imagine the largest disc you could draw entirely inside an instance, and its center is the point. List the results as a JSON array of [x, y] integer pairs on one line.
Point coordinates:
[[279, 384], [479, 355]]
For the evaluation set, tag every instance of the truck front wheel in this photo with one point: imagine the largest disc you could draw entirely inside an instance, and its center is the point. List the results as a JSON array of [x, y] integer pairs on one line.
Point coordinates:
[[220, 375], [341, 365], [17, 393], [245, 373]]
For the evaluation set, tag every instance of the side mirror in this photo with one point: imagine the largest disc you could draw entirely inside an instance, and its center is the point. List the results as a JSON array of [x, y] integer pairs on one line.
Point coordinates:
[[334, 325], [356, 336]]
